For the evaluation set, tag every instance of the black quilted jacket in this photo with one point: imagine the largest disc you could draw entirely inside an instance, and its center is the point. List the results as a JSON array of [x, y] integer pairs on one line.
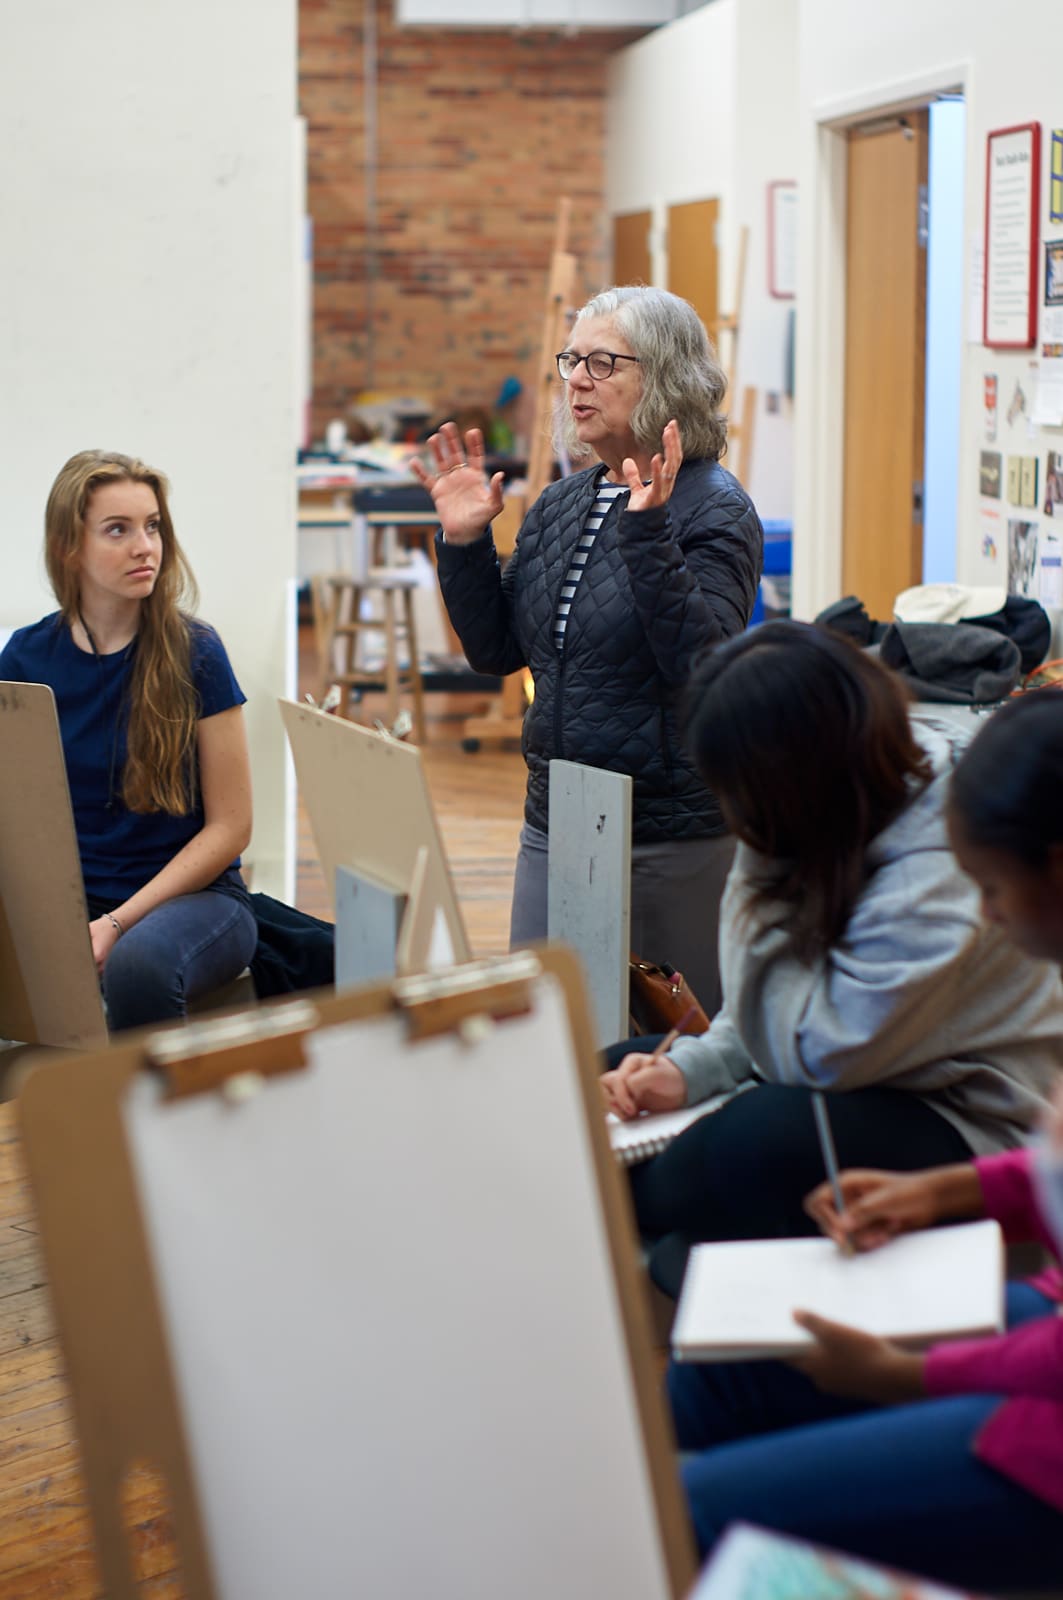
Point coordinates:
[[657, 588]]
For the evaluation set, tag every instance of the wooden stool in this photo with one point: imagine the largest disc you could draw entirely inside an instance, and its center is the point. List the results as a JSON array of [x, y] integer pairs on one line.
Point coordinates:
[[338, 615]]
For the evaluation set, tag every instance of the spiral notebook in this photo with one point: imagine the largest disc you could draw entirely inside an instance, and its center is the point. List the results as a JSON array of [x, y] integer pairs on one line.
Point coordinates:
[[648, 1135]]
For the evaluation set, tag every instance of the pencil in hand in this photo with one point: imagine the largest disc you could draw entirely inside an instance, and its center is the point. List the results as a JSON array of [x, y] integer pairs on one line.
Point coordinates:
[[672, 1035], [830, 1159]]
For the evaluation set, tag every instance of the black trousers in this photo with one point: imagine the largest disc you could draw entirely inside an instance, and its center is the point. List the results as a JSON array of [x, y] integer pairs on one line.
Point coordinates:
[[743, 1172]]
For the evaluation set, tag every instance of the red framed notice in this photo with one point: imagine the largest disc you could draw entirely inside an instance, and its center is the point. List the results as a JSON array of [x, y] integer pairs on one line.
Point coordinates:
[[1012, 228], [782, 240]]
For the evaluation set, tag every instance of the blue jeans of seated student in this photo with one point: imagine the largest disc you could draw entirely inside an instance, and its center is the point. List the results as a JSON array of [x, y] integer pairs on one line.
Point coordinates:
[[182, 949], [896, 1484]]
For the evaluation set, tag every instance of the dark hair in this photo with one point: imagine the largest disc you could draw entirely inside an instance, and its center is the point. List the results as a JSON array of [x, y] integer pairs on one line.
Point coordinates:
[[1007, 788], [806, 742]]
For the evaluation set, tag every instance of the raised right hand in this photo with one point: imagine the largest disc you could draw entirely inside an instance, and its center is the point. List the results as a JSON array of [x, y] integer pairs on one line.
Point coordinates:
[[880, 1205], [466, 500], [643, 1083]]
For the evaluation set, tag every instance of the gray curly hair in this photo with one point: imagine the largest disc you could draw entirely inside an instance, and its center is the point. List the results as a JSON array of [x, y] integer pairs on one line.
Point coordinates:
[[681, 376]]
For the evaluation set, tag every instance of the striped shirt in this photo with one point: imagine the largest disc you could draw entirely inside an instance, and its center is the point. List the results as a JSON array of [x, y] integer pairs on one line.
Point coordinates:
[[607, 493]]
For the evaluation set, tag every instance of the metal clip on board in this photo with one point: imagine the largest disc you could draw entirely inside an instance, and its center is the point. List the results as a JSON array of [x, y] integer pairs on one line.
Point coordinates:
[[201, 1056]]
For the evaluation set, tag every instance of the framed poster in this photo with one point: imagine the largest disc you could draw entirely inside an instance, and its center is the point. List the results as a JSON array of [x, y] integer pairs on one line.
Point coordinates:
[[1013, 165], [782, 240]]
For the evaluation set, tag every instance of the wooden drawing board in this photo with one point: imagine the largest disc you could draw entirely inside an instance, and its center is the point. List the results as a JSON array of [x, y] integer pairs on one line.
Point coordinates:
[[370, 810], [378, 1319], [49, 991]]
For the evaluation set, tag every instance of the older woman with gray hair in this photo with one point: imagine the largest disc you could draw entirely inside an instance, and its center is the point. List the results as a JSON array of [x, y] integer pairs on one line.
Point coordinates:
[[623, 573]]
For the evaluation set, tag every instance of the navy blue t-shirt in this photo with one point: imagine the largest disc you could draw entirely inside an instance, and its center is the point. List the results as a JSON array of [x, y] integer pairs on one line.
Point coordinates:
[[120, 850]]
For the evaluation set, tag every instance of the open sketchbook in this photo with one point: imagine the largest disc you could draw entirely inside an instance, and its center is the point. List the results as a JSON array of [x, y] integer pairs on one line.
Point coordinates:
[[738, 1299], [648, 1135]]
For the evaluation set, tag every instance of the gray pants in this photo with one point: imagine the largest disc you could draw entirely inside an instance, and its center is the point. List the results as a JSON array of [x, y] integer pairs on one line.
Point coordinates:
[[675, 903]]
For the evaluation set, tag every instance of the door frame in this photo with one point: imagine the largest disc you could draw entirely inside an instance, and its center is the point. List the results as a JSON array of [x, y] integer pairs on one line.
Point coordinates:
[[819, 412]]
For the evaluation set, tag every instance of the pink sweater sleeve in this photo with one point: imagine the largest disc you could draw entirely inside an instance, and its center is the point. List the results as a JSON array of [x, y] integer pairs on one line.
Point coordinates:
[[1008, 1191], [1027, 1361]]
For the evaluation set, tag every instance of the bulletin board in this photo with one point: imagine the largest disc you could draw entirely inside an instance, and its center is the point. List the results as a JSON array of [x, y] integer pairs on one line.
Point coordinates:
[[1012, 231]]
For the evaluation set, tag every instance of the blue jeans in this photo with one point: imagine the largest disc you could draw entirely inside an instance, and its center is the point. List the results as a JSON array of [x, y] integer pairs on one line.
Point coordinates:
[[182, 949], [899, 1484]]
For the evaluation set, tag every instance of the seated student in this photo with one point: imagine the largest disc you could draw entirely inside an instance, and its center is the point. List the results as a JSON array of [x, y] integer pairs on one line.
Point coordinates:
[[949, 1463], [153, 734], [852, 954]]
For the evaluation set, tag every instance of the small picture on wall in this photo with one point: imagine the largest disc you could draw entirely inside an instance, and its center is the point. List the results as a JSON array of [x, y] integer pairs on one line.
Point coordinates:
[[989, 403], [1054, 272], [1028, 481], [1050, 590], [989, 474], [1014, 480], [1022, 558], [991, 523], [1053, 483]]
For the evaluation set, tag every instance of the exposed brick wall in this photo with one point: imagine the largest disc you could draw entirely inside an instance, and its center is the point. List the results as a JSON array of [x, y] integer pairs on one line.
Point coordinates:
[[478, 134]]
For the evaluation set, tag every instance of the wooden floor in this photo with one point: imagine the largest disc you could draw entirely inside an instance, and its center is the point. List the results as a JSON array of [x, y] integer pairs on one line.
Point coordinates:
[[478, 799]]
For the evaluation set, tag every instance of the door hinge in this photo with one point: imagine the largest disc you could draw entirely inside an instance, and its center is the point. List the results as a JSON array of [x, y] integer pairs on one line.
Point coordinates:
[[922, 225], [917, 501]]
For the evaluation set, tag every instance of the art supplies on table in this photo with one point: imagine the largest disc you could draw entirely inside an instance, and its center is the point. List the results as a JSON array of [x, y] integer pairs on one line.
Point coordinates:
[[329, 1287], [738, 1297]]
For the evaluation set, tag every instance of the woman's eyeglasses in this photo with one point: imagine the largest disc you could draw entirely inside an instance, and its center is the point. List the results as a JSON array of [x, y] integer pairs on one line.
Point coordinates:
[[600, 363]]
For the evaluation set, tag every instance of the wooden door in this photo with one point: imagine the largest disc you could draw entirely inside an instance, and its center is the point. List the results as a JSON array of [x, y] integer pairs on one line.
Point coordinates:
[[692, 258], [631, 248], [885, 360]]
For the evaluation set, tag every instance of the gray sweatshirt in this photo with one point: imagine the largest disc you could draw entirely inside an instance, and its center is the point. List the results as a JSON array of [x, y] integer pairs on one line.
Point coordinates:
[[918, 993]]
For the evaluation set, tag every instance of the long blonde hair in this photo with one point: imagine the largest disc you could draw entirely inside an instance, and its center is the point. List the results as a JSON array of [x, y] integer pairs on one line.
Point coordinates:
[[159, 770]]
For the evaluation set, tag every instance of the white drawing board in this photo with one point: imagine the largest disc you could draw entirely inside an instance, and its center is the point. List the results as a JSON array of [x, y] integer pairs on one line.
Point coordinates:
[[371, 811], [49, 991], [409, 1347]]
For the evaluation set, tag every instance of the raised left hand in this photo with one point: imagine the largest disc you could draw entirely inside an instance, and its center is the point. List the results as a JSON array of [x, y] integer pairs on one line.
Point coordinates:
[[658, 492], [846, 1361]]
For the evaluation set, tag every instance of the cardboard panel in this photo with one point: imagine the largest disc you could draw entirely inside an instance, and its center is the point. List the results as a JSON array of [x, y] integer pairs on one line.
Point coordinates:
[[49, 991]]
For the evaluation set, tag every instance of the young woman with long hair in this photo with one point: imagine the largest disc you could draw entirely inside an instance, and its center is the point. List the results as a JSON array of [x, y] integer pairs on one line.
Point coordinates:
[[852, 953], [153, 735]]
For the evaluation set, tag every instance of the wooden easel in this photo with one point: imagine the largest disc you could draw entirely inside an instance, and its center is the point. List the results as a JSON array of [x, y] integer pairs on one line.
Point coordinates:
[[740, 429], [503, 720]]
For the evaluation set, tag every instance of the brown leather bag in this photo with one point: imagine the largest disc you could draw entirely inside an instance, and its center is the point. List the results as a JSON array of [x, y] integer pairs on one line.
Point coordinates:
[[660, 997]]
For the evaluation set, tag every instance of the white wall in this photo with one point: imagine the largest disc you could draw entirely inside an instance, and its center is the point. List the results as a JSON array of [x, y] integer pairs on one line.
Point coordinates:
[[150, 182], [766, 121], [853, 59], [705, 108]]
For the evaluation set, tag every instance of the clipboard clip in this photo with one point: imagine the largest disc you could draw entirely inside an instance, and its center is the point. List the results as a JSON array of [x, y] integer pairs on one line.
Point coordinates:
[[251, 1045], [468, 1000]]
